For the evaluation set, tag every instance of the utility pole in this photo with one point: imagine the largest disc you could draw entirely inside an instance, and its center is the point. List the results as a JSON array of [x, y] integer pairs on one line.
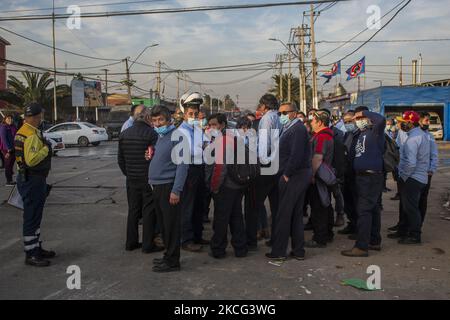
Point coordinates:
[[280, 59], [106, 87], [400, 70], [185, 82], [420, 67], [302, 77], [158, 81], [314, 61], [128, 80], [178, 86], [290, 75], [55, 111]]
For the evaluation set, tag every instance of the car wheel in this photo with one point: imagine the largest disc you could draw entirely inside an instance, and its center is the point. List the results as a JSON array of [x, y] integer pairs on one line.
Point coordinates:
[[83, 141], [96, 143]]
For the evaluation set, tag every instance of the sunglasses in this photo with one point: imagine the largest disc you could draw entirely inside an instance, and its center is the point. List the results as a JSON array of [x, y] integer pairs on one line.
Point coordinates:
[[284, 113]]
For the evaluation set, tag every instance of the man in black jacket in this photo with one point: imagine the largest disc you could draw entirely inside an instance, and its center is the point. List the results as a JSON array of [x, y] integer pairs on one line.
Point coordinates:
[[133, 143], [296, 174]]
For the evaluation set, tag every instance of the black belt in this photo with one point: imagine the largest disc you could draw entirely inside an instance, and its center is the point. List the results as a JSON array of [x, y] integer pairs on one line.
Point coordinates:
[[368, 172]]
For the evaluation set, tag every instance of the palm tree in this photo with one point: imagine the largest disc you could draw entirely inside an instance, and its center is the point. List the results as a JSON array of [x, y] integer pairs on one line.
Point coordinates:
[[34, 89]]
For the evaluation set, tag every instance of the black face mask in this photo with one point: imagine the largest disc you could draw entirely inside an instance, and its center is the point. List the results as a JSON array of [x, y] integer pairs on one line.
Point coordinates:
[[425, 127], [405, 126]]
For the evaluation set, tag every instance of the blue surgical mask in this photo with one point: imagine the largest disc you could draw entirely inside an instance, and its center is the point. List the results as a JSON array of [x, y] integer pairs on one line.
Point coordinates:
[[284, 119], [350, 127], [204, 123], [162, 130], [193, 122]]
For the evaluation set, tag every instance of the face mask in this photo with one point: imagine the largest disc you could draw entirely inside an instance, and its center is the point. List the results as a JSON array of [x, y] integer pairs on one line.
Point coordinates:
[[425, 127], [284, 119], [193, 122], [310, 117], [204, 123], [350, 127], [362, 124], [162, 130]]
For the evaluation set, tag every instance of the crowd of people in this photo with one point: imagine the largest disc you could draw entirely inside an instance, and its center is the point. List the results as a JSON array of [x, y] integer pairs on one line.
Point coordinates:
[[180, 165], [317, 158]]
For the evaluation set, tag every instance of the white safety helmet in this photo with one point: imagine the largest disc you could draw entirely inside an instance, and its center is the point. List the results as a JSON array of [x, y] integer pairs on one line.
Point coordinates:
[[193, 98]]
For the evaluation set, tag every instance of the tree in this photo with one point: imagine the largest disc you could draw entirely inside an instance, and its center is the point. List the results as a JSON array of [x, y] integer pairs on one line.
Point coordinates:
[[294, 90], [35, 89]]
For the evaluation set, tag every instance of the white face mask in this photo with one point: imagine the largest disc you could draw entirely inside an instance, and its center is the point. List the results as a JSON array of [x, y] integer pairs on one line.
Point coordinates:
[[362, 124], [310, 117]]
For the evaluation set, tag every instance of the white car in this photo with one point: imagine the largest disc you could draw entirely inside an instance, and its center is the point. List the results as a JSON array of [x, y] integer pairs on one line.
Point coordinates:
[[56, 140], [80, 133]]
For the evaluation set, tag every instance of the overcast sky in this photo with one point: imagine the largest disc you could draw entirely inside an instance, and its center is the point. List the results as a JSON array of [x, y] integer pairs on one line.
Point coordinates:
[[204, 39]]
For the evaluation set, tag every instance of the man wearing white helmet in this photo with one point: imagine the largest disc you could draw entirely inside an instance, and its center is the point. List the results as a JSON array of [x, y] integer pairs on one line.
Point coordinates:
[[192, 220]]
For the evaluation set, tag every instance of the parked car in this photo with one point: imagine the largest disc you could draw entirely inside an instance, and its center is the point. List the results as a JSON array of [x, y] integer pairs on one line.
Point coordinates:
[[56, 140], [80, 133], [436, 126]]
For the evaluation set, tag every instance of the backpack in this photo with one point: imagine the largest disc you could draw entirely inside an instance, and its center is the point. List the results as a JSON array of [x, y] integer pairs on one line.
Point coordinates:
[[391, 155], [339, 162], [243, 174]]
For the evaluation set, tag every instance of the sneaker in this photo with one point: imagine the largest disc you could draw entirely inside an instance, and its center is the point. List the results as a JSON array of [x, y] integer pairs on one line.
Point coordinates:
[[355, 252], [314, 244]]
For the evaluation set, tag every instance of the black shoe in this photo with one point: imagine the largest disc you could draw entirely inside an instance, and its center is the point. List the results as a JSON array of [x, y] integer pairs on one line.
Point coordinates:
[[347, 230], [36, 261], [396, 235], [313, 244], [164, 267], [353, 236], [300, 258], [217, 255], [396, 197], [202, 242], [409, 240], [158, 261], [133, 247], [273, 257], [153, 250], [46, 254], [393, 229]]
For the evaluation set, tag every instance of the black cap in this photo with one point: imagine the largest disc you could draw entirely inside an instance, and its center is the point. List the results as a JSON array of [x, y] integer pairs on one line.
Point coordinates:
[[33, 109]]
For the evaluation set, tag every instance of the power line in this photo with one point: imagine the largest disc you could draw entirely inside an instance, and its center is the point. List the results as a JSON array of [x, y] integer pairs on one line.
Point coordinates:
[[167, 10], [359, 33], [384, 41]]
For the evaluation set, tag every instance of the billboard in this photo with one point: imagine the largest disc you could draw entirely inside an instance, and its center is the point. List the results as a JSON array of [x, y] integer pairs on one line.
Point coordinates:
[[86, 93]]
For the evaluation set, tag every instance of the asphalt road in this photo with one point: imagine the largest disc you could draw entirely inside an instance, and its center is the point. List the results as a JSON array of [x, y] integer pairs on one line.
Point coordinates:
[[85, 219]]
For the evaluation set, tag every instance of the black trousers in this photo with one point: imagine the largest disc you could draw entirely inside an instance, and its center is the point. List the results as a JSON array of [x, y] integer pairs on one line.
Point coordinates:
[[410, 215], [264, 186], [322, 218], [201, 207], [370, 188], [290, 214], [140, 204], [192, 215], [350, 197], [228, 212], [170, 217], [423, 202]]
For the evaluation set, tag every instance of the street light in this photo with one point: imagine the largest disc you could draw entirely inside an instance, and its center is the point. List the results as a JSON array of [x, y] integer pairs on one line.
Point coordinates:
[[142, 52], [284, 45], [380, 81]]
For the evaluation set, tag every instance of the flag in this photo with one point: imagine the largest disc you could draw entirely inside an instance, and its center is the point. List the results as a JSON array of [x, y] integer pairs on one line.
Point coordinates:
[[358, 68], [335, 70]]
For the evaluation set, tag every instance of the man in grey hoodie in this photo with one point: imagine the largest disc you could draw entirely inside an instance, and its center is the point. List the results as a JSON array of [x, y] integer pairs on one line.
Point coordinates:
[[167, 180]]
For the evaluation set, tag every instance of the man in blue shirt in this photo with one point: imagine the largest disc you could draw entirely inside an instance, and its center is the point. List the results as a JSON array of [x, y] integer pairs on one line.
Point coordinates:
[[413, 172], [369, 178]]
